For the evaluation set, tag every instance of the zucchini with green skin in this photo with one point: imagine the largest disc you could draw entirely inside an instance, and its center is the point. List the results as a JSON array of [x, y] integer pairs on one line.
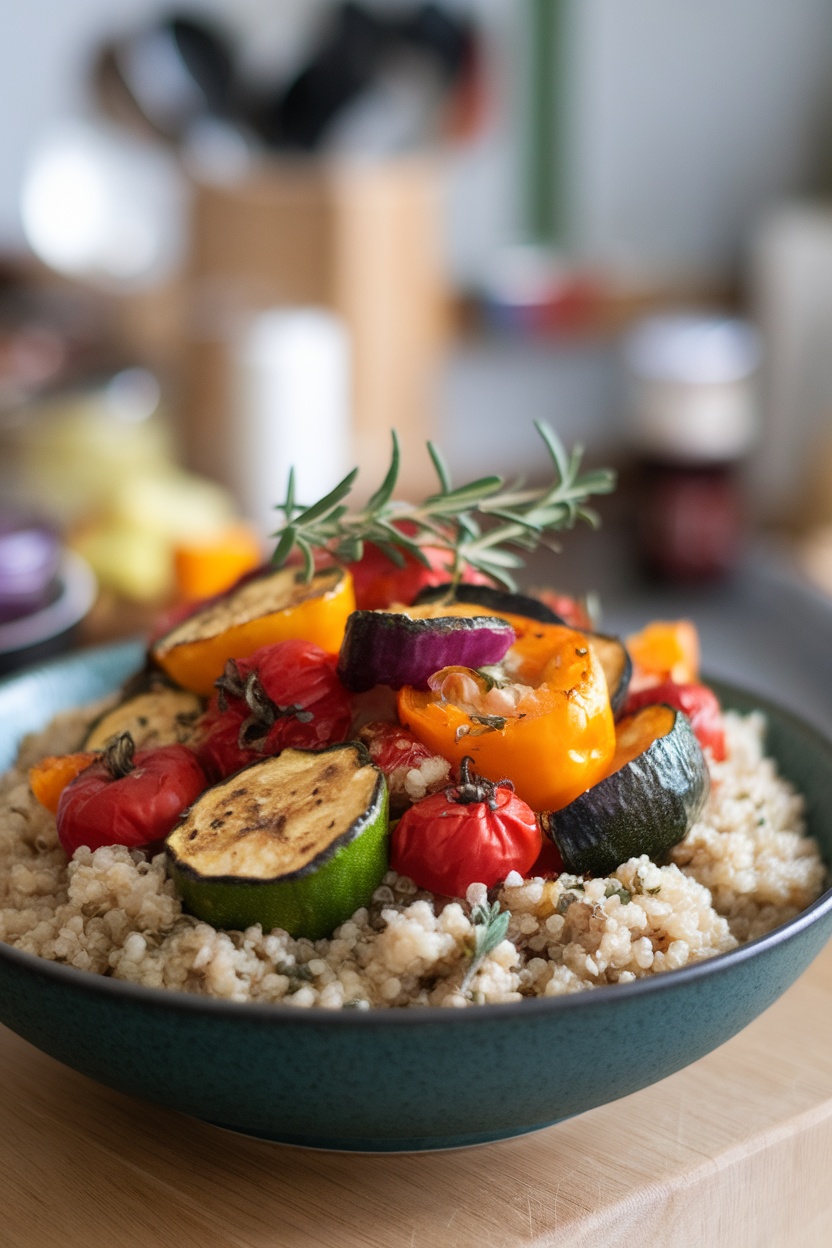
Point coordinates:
[[298, 842], [652, 796], [160, 714]]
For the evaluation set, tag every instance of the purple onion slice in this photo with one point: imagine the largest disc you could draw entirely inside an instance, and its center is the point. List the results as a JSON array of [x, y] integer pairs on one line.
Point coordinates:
[[395, 649]]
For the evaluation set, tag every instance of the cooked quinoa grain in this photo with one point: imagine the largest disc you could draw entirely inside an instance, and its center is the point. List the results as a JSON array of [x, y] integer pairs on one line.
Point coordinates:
[[745, 867]]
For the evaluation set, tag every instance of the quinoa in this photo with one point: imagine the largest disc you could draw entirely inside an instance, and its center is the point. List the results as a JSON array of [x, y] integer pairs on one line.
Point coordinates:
[[745, 867]]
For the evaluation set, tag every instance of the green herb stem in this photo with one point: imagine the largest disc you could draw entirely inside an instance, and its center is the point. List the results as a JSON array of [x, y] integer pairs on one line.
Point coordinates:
[[482, 525]]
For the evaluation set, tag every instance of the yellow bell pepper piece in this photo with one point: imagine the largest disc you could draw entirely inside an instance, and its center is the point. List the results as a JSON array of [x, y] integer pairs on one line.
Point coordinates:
[[553, 744]]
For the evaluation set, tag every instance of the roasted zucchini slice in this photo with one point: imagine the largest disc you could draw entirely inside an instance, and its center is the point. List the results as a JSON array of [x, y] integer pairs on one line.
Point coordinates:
[[297, 842], [160, 715], [653, 794], [279, 606]]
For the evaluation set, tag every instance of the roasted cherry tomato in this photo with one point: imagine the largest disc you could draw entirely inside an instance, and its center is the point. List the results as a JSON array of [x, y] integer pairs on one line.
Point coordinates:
[[410, 768], [128, 798], [698, 702], [286, 694], [379, 582], [474, 832], [571, 610]]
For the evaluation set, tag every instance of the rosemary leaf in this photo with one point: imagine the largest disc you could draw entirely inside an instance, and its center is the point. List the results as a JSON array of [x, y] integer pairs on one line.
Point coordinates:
[[384, 492], [490, 927], [438, 461], [482, 525]]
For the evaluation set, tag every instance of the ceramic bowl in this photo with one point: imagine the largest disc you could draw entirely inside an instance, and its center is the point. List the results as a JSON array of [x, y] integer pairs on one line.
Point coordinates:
[[397, 1080]]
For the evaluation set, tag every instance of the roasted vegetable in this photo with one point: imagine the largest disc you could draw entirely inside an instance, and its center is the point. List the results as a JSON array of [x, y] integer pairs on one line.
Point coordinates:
[[50, 775], [618, 668], [159, 715], [548, 728], [654, 792], [287, 694], [278, 606], [410, 768], [498, 601], [665, 650], [474, 832], [129, 798], [698, 702], [379, 582], [297, 842], [406, 647]]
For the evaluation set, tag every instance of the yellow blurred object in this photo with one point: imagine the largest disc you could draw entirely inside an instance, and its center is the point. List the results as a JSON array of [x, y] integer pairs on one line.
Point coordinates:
[[133, 562], [172, 505], [76, 457], [207, 566]]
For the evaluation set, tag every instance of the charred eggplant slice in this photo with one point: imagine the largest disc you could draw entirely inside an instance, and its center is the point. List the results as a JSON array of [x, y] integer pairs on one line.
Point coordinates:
[[618, 667], [297, 842], [405, 648], [260, 611], [496, 600], [652, 796], [160, 715]]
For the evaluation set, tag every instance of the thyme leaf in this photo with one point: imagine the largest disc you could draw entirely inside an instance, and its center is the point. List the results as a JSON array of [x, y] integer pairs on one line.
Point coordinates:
[[482, 525], [490, 927]]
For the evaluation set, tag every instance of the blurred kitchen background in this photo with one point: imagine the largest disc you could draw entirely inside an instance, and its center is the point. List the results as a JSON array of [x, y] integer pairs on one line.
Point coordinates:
[[241, 234]]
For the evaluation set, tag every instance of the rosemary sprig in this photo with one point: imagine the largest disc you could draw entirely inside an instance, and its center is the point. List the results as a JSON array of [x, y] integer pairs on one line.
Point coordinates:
[[482, 525], [490, 927]]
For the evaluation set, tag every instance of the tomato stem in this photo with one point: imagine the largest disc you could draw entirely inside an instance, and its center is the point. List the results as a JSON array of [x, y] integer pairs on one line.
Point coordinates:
[[118, 756], [473, 788]]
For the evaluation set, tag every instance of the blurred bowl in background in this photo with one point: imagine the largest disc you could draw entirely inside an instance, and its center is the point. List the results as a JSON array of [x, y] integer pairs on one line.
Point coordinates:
[[50, 629]]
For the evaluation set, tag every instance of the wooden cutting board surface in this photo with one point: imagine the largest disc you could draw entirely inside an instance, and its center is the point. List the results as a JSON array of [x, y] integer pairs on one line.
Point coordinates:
[[734, 1152]]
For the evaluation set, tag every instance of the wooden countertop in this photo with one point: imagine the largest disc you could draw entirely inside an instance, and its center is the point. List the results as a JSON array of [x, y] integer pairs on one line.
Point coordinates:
[[734, 1152]]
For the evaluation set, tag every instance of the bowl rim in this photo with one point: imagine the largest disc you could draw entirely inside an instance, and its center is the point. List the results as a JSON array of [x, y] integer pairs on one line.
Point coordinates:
[[192, 1003]]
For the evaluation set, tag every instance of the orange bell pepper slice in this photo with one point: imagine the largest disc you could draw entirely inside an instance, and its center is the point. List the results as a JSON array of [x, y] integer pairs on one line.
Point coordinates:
[[259, 612], [664, 650], [556, 742], [49, 777]]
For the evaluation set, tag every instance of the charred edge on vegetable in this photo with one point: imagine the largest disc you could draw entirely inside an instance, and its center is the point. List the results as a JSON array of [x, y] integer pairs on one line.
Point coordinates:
[[211, 619], [362, 665], [614, 658], [495, 599], [646, 806], [351, 834]]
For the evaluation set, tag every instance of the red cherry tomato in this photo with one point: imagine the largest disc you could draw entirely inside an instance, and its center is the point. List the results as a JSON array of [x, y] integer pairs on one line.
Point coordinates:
[[698, 702], [571, 610], [129, 799], [288, 694], [548, 863], [379, 582], [474, 832], [397, 752]]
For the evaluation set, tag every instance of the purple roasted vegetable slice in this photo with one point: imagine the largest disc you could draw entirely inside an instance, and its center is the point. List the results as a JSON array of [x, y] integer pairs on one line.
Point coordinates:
[[396, 649]]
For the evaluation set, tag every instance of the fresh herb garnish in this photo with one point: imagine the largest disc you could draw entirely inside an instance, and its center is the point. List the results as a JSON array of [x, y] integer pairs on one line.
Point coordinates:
[[617, 890], [490, 927], [476, 523]]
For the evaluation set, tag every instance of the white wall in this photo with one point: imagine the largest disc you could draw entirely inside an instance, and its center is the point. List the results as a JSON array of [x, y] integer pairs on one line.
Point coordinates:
[[687, 117]]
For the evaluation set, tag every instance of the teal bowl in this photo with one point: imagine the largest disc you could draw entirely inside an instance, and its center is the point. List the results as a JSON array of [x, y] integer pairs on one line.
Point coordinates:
[[397, 1080]]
